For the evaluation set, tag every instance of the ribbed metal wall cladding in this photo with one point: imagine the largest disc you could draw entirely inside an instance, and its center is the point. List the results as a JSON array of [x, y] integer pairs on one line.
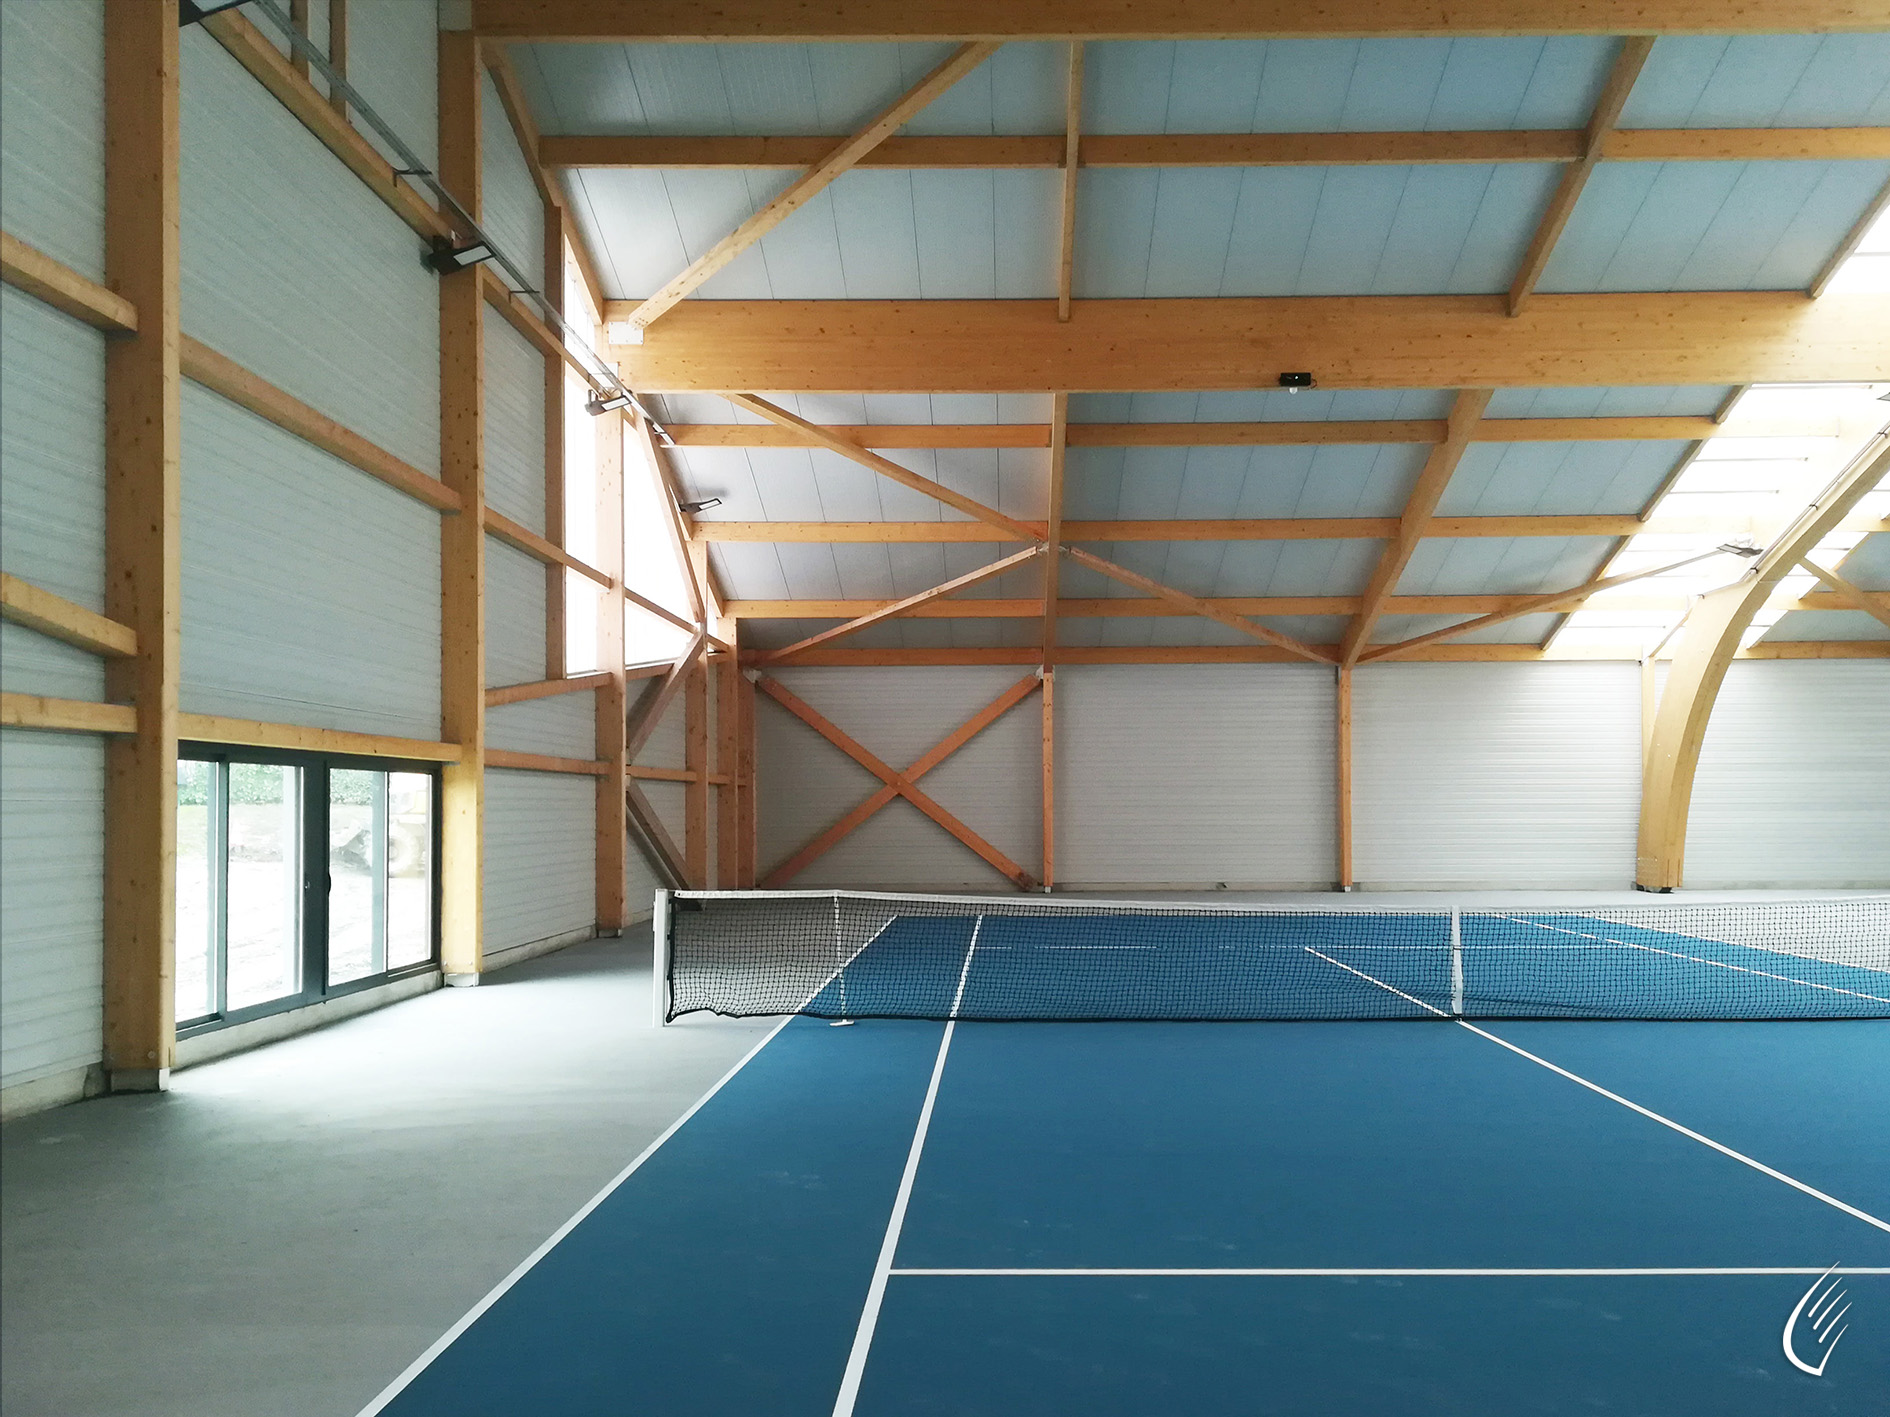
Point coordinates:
[[515, 615], [52, 130], [514, 430], [540, 857]]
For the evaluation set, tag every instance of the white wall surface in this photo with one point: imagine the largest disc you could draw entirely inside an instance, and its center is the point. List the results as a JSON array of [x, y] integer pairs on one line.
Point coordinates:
[[394, 63], [993, 784], [295, 270], [52, 129], [1496, 774], [311, 591], [515, 615], [1793, 786], [514, 431], [52, 903], [1196, 775], [540, 857], [513, 213], [565, 726]]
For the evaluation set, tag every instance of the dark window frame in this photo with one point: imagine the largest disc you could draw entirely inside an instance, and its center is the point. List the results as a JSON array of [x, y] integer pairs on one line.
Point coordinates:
[[313, 914]]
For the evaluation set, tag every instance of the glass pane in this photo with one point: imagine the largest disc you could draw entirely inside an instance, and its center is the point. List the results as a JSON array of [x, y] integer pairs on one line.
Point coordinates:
[[265, 883], [409, 868], [196, 890], [357, 872]]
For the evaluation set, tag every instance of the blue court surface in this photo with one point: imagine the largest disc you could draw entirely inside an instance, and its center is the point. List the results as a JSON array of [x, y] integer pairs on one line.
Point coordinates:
[[1408, 1215]]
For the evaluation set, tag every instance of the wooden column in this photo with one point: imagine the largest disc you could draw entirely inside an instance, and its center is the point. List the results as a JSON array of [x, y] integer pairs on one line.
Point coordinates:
[[728, 757], [555, 385], [1345, 777], [1049, 778], [613, 840], [338, 50], [696, 763], [462, 537], [749, 797], [142, 376]]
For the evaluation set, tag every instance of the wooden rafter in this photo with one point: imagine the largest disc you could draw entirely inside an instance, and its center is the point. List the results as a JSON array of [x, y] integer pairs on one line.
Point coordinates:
[[1143, 150], [1053, 525], [545, 689], [1532, 605], [658, 846], [1072, 157], [1196, 604], [668, 20], [1348, 341], [843, 157], [1877, 606], [26, 604], [916, 769], [885, 467], [65, 715], [902, 607], [899, 782], [30, 269], [1414, 524], [1614, 94]]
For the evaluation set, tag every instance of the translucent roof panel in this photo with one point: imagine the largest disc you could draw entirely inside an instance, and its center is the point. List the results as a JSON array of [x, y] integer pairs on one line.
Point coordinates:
[[1763, 81], [1652, 400]]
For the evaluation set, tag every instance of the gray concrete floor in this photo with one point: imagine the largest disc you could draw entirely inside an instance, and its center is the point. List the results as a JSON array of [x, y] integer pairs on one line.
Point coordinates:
[[285, 1230]]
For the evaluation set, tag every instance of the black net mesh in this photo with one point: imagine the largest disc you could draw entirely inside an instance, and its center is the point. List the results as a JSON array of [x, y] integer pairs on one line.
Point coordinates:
[[862, 955]]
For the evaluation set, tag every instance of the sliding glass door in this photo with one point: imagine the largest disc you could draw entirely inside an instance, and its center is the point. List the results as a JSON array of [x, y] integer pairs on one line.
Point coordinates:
[[299, 876]]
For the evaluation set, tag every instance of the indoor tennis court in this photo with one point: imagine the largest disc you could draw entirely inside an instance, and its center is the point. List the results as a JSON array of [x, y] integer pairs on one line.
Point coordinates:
[[1414, 1203]]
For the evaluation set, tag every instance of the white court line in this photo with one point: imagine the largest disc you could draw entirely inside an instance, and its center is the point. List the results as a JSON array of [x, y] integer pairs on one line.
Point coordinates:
[[876, 1291], [445, 1340], [965, 973], [1382, 1274], [1595, 1087]]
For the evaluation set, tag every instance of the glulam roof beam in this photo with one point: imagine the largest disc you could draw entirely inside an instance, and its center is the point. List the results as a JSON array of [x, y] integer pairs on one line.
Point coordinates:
[[915, 152], [1347, 341], [890, 20]]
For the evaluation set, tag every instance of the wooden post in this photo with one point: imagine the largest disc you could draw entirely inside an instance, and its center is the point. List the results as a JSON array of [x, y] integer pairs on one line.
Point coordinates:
[[142, 504], [1049, 778], [613, 839], [462, 537], [696, 763], [750, 793], [1345, 777], [728, 755], [555, 384]]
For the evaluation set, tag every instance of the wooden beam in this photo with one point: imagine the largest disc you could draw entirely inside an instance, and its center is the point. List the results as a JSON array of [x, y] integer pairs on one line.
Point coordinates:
[[532, 544], [546, 689], [656, 698], [1876, 606], [817, 179], [298, 18], [29, 269], [1344, 784], [214, 728], [748, 796], [541, 762], [611, 724], [902, 607], [143, 505], [1195, 603], [338, 52], [1678, 429], [463, 538], [696, 763], [1025, 655], [672, 20], [555, 383], [66, 715], [826, 840], [1072, 139], [885, 467], [1713, 630], [222, 375], [1614, 95], [1348, 341], [1145, 150], [1053, 521], [898, 781], [26, 604], [273, 70], [1414, 524], [659, 847], [1049, 679]]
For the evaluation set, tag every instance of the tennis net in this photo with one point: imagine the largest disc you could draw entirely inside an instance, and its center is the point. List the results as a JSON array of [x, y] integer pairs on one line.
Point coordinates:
[[852, 954]]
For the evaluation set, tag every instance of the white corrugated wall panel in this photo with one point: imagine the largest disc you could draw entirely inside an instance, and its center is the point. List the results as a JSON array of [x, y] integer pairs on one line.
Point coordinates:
[[511, 210], [640, 885], [394, 63], [1793, 787], [52, 903], [1196, 775], [515, 615], [669, 799], [540, 857], [311, 591], [515, 425], [993, 784], [1496, 774], [52, 129], [664, 747], [565, 726], [295, 270]]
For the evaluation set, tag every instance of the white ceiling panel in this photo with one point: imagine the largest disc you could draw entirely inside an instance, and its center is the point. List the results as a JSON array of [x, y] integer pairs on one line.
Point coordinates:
[[1337, 480], [1652, 400], [1260, 406], [1558, 479], [1763, 81], [1827, 625], [1495, 565]]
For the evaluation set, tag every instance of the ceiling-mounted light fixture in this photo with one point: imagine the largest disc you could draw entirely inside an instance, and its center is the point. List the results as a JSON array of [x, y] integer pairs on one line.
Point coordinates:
[[1296, 380], [607, 403], [1737, 548], [693, 507], [446, 258]]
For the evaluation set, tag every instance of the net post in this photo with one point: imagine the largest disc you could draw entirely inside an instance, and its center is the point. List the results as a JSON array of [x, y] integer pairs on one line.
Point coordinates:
[[1456, 963], [659, 959]]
